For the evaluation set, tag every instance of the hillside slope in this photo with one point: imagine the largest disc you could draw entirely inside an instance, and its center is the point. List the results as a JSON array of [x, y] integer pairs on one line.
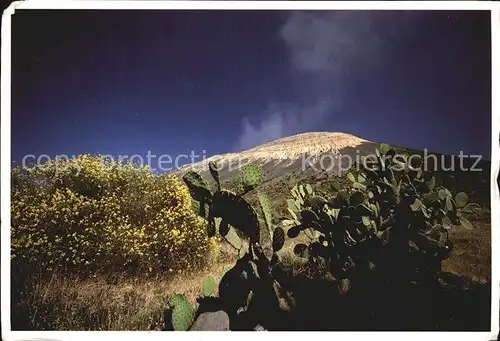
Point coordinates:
[[315, 151], [319, 156]]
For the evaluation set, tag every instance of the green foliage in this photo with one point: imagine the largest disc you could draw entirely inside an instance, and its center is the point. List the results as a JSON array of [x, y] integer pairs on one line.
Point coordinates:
[[182, 315], [393, 216], [209, 285], [384, 148], [251, 176], [461, 200], [265, 205], [317, 202], [234, 219], [228, 213], [176, 299], [393, 220], [237, 212], [197, 186]]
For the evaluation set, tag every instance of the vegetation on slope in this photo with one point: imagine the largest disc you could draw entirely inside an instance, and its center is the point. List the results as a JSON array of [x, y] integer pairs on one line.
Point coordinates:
[[388, 232], [128, 288]]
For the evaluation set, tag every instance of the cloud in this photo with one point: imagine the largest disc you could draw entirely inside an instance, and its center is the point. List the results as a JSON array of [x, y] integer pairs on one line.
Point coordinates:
[[282, 120], [323, 48]]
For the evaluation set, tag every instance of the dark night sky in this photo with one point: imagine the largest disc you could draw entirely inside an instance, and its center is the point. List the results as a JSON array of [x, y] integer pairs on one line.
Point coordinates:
[[125, 82]]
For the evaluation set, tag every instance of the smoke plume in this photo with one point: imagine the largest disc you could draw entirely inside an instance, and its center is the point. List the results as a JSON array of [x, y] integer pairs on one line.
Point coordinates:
[[323, 48]]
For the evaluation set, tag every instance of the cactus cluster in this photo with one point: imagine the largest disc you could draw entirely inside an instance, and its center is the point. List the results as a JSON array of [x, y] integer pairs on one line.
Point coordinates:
[[229, 214], [393, 209], [232, 217], [392, 222]]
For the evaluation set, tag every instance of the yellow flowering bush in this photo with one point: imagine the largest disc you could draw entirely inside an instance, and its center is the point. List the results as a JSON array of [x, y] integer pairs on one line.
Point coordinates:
[[86, 215]]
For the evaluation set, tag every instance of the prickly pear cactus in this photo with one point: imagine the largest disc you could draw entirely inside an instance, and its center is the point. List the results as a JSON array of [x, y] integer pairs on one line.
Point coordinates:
[[461, 199], [387, 198], [308, 189], [278, 238], [176, 299], [197, 186], [213, 166], [232, 216], [384, 148], [317, 202], [265, 205], [209, 285], [234, 239], [251, 176], [182, 315], [237, 212]]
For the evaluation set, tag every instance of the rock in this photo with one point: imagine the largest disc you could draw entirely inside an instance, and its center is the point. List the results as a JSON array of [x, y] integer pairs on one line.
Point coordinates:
[[212, 321]]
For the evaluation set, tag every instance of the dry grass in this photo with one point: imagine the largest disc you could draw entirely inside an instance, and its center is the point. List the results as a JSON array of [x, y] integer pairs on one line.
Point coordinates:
[[106, 303], [471, 255]]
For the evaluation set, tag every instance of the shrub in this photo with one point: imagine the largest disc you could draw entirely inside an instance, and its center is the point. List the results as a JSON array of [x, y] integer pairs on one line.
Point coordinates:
[[87, 215]]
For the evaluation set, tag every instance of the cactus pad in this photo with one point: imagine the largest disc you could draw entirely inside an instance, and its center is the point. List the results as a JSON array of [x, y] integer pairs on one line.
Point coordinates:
[[356, 198], [308, 217], [292, 205], [461, 199], [301, 250], [430, 198], [339, 200], [197, 186], [237, 212], [278, 238], [443, 194], [302, 191], [449, 204], [251, 176], [326, 220], [431, 183], [351, 177], [265, 205], [317, 203], [223, 228], [466, 224], [212, 227], [294, 231], [232, 238], [209, 285], [176, 299], [384, 148], [213, 166], [309, 190], [182, 316]]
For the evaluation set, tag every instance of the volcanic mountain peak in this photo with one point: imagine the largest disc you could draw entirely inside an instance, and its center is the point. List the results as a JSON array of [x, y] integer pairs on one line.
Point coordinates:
[[313, 143], [288, 148]]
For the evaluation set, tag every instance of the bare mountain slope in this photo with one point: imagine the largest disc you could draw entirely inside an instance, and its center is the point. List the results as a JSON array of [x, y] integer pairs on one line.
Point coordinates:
[[307, 153], [321, 155]]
